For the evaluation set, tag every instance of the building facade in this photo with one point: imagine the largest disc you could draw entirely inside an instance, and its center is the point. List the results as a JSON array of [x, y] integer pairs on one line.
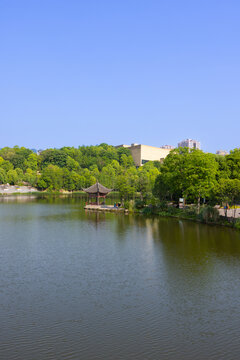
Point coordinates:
[[169, 147], [222, 152], [190, 143], [144, 153]]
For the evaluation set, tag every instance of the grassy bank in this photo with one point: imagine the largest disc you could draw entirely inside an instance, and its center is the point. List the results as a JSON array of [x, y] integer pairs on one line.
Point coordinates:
[[206, 215]]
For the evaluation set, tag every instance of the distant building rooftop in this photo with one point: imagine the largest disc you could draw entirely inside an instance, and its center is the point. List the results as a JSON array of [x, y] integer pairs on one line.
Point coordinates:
[[222, 152], [144, 153], [190, 143], [168, 147]]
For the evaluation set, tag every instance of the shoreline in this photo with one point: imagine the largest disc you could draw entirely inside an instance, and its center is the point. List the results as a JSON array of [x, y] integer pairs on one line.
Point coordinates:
[[181, 214], [233, 223]]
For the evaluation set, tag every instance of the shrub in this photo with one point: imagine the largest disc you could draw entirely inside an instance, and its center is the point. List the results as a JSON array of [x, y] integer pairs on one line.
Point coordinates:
[[162, 206], [208, 214], [3, 176], [172, 210], [129, 205], [190, 210], [139, 204], [147, 210], [237, 224]]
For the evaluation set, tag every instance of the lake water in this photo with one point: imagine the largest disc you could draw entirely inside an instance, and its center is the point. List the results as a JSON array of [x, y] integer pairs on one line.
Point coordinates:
[[76, 285]]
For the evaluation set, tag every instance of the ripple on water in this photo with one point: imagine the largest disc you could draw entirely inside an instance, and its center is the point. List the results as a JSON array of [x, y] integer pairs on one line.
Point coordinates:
[[94, 286]]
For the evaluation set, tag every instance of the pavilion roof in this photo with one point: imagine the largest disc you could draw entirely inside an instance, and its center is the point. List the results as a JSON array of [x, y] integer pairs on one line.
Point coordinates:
[[97, 189]]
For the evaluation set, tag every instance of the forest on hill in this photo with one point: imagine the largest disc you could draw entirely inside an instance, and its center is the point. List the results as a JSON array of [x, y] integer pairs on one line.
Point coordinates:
[[72, 169], [194, 175]]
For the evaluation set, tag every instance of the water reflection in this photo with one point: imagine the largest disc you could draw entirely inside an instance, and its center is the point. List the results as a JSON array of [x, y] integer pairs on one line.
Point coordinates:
[[86, 285]]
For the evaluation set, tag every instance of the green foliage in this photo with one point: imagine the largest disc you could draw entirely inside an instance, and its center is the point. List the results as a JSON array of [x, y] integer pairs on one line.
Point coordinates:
[[100, 155], [18, 161], [223, 168], [126, 161], [108, 176], [227, 191], [208, 214], [139, 204], [233, 162], [162, 206], [53, 177], [147, 211], [3, 176], [72, 169], [30, 177], [12, 177], [16, 156], [6, 165], [129, 205], [19, 174], [125, 188], [41, 184], [186, 174], [191, 174], [31, 162], [7, 153], [72, 164], [200, 174], [237, 224], [120, 151], [54, 157]]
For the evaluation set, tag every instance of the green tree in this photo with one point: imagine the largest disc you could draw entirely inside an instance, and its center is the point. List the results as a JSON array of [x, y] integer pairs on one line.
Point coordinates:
[[12, 177], [73, 153], [54, 157], [31, 162], [199, 174], [68, 183], [143, 184], [191, 174], [108, 177], [7, 153], [6, 165], [72, 164], [41, 183], [89, 179], [233, 161], [228, 191], [126, 161], [3, 176], [126, 191], [30, 177], [20, 174], [52, 176], [78, 180], [170, 182]]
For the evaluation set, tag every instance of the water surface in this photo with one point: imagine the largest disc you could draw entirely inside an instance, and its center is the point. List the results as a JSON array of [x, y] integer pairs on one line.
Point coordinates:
[[77, 285]]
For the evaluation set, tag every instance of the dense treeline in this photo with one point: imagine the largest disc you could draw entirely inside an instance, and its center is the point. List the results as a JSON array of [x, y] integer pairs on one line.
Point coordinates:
[[196, 176], [199, 177], [72, 169]]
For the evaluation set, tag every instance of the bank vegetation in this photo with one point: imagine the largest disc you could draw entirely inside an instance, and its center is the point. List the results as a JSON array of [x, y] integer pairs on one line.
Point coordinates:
[[203, 180]]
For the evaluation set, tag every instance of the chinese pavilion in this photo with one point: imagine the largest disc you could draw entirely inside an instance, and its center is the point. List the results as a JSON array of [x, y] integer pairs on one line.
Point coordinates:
[[97, 191]]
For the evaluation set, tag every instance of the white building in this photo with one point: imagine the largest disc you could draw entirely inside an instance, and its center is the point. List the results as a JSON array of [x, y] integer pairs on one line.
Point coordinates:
[[222, 152], [169, 147], [144, 153], [190, 143]]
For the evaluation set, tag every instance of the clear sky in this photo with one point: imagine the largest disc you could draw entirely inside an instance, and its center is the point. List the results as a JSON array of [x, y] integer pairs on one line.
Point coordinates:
[[155, 72]]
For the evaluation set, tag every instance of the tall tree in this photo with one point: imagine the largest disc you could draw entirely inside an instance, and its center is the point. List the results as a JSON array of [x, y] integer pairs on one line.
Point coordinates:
[[191, 174]]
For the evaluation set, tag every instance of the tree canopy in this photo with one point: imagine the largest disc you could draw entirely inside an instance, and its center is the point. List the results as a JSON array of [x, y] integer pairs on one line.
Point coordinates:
[[191, 174], [195, 175]]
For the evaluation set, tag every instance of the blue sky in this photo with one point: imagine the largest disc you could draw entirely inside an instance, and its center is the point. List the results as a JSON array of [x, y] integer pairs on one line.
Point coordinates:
[[155, 72]]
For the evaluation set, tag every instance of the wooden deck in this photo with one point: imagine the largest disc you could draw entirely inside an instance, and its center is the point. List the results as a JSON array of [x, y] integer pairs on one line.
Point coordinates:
[[104, 208]]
